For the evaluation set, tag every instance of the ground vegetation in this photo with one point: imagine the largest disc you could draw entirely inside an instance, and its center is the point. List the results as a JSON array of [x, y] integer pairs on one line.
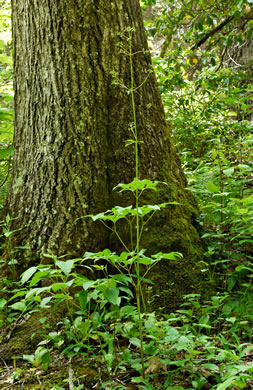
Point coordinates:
[[102, 333]]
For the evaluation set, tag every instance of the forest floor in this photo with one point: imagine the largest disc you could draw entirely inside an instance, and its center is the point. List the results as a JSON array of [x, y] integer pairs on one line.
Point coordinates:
[[77, 373], [62, 374]]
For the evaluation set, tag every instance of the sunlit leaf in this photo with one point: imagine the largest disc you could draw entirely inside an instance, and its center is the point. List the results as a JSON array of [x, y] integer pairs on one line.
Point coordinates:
[[65, 266], [28, 274], [212, 187], [111, 295]]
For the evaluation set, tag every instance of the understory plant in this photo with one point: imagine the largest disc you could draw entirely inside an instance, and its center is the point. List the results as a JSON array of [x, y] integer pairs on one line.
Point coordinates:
[[209, 108], [198, 344]]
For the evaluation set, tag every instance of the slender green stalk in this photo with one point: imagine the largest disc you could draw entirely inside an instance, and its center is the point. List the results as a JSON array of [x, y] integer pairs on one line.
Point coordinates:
[[137, 265]]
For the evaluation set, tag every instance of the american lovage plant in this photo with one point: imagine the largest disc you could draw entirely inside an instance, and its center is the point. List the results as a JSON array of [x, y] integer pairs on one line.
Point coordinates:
[[132, 260], [87, 309]]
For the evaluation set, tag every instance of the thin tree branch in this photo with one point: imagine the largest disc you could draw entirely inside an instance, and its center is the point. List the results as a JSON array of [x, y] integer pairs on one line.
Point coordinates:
[[212, 32]]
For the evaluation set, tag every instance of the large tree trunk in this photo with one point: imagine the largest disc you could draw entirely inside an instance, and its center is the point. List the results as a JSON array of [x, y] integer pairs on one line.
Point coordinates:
[[71, 124]]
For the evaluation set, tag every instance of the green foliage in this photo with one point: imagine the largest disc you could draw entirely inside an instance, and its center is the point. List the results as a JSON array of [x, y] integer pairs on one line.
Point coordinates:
[[6, 98], [103, 321], [10, 252], [40, 357], [208, 103]]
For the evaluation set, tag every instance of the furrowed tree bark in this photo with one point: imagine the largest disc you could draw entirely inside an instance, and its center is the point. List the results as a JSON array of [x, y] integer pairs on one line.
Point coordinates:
[[71, 124]]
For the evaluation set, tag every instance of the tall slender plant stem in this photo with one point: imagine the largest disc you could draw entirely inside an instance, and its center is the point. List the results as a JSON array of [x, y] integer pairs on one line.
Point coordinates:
[[137, 265]]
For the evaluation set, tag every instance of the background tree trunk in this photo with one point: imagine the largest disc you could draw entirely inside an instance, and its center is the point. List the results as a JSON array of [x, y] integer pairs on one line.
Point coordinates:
[[71, 125]]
